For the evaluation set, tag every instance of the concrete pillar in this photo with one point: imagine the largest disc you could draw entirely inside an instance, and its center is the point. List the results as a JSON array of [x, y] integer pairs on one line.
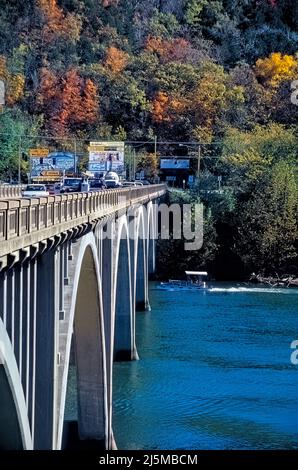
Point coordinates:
[[26, 331], [152, 237], [11, 304], [3, 296], [107, 290], [32, 340], [88, 337], [141, 278], [61, 257], [46, 324], [18, 321], [123, 334], [107, 255]]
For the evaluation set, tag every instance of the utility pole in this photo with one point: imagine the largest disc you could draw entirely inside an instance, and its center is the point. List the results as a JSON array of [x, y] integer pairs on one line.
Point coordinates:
[[199, 164], [134, 164], [20, 159], [75, 157], [155, 146]]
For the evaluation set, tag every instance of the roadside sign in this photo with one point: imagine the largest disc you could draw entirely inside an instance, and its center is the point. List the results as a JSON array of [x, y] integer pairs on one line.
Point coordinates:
[[40, 152], [50, 173], [96, 148]]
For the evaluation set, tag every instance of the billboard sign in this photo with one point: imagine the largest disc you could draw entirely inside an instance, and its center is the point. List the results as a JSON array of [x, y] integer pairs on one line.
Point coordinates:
[[58, 162], [106, 156], [174, 163]]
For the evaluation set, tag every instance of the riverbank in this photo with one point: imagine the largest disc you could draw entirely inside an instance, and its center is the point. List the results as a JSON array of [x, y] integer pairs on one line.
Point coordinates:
[[285, 281]]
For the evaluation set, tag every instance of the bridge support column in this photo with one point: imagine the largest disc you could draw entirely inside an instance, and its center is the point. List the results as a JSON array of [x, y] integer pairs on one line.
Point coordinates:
[[123, 335], [152, 237], [141, 280], [46, 357], [90, 356], [107, 254]]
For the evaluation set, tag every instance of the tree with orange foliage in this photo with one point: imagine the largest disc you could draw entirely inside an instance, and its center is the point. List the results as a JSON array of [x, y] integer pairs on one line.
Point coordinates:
[[56, 23], [90, 102], [165, 107], [68, 101], [170, 50], [160, 107], [109, 3], [116, 60], [47, 86]]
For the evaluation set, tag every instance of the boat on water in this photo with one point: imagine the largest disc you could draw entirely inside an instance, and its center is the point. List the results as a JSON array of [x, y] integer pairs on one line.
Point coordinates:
[[194, 280]]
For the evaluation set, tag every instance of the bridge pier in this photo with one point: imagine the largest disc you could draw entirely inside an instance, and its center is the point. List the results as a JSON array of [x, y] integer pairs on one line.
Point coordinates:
[[123, 329], [47, 308], [89, 350]]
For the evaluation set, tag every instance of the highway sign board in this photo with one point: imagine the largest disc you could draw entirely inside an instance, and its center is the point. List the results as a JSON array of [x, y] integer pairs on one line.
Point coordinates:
[[39, 152]]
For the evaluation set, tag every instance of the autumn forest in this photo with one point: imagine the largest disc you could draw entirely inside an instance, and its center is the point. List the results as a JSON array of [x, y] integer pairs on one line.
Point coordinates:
[[219, 72]]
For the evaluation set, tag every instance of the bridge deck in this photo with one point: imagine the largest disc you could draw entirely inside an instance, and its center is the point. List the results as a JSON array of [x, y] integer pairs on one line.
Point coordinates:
[[26, 222]]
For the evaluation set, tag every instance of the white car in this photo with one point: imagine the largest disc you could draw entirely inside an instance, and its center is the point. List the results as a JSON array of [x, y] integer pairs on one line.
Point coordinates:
[[35, 190]]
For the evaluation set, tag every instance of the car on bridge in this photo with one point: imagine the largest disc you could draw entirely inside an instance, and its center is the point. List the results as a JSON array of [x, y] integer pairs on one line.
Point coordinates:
[[128, 184], [71, 185], [35, 190], [54, 188], [111, 180], [97, 183]]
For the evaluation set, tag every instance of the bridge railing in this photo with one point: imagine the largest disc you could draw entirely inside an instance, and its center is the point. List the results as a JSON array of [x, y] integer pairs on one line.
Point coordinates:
[[8, 191], [30, 218]]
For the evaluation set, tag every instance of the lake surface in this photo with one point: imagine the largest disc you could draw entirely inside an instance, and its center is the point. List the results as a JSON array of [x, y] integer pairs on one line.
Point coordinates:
[[215, 372]]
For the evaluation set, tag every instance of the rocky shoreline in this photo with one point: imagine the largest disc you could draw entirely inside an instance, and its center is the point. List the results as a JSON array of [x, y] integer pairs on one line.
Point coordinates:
[[274, 281]]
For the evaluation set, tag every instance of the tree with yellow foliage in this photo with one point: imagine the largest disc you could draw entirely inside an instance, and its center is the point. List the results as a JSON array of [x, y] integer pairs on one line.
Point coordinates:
[[276, 68], [14, 83]]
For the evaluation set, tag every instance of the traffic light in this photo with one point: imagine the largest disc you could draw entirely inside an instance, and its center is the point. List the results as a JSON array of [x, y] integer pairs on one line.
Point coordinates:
[[54, 161], [24, 157], [41, 161]]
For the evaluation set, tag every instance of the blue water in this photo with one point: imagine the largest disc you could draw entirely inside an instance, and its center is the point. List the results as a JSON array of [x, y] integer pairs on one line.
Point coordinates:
[[214, 372]]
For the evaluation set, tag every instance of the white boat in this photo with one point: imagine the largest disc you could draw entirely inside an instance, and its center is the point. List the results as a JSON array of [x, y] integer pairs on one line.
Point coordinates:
[[194, 280]]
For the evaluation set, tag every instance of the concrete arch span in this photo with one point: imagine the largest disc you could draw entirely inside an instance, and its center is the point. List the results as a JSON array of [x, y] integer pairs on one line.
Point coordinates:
[[152, 236], [122, 300], [15, 431], [87, 325], [140, 260]]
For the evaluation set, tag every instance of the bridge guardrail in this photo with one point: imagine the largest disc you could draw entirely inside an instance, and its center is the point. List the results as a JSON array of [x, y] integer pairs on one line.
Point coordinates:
[[26, 221], [8, 191]]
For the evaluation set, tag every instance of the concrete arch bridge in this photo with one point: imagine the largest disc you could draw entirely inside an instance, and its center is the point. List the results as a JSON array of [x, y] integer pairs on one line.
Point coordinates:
[[73, 272]]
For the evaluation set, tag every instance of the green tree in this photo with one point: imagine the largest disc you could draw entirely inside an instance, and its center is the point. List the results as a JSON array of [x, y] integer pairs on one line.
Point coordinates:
[[246, 156], [14, 125], [267, 234]]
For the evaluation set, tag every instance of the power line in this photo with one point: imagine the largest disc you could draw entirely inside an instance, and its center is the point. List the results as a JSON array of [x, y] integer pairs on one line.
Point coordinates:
[[126, 142]]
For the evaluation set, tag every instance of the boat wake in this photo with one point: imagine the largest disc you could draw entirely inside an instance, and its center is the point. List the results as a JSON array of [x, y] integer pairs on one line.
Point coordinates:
[[256, 290], [231, 290]]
